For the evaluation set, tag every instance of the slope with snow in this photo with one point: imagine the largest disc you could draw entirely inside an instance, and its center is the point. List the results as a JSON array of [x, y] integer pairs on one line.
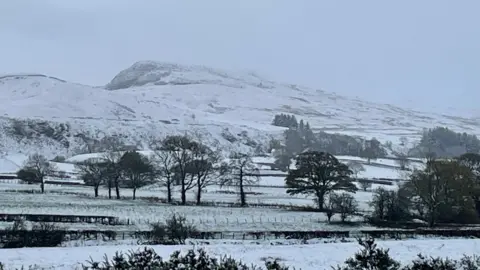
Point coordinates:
[[153, 99]]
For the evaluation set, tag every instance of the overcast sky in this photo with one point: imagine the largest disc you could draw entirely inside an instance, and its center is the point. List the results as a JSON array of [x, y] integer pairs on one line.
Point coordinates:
[[404, 52]]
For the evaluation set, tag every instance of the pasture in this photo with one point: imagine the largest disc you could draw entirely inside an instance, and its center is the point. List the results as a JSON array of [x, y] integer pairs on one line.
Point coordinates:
[[271, 207]]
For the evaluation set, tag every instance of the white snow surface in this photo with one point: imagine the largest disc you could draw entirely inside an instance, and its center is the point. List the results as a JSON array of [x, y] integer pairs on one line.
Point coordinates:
[[305, 257], [154, 98]]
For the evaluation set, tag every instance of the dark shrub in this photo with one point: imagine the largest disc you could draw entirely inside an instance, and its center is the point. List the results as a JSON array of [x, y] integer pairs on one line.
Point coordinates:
[[149, 259], [175, 230]]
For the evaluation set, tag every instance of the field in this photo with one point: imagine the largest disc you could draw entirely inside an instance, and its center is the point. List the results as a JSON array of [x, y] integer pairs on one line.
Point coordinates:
[[271, 209], [138, 214], [305, 257]]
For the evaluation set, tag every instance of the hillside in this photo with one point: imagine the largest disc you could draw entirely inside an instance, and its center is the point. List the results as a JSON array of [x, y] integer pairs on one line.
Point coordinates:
[[153, 99]]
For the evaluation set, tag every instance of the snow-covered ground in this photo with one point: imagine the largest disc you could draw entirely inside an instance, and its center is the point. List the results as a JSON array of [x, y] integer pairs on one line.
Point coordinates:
[[305, 257], [79, 200], [154, 98]]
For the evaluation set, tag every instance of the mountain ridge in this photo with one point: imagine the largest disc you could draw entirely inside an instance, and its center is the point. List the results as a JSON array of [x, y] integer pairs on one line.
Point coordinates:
[[152, 98]]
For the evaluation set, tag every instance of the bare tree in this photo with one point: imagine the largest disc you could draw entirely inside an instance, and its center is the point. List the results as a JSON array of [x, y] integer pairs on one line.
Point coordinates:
[[165, 164], [356, 167], [390, 205], [38, 167], [137, 170], [181, 148], [330, 206], [205, 168], [113, 171], [93, 173], [242, 172], [402, 160], [429, 188], [402, 154], [365, 185], [345, 204]]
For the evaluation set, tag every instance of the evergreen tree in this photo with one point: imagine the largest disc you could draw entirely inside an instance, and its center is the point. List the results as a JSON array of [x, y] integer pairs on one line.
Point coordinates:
[[318, 174]]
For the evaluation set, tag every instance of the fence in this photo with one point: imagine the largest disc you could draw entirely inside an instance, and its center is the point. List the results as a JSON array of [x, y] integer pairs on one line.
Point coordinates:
[[108, 220], [257, 235], [238, 221]]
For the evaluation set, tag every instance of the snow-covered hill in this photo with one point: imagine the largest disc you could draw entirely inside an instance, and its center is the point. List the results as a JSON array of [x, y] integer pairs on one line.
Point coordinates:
[[154, 98]]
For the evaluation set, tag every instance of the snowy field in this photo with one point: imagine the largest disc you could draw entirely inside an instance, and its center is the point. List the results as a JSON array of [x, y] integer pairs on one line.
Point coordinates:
[[305, 257], [14, 198], [79, 200]]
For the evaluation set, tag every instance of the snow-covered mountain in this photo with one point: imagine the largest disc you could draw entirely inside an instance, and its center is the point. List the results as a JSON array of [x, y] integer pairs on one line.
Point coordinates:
[[40, 112]]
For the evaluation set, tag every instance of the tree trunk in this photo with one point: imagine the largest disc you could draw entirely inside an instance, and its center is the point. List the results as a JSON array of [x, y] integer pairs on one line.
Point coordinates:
[[96, 191], [184, 192], [169, 191], [42, 185], [184, 195], [110, 192], [117, 189], [134, 193], [243, 199], [320, 204], [320, 200], [329, 216], [199, 194]]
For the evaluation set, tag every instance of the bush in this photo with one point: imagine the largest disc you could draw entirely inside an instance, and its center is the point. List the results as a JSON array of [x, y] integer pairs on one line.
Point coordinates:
[[373, 258], [149, 259], [175, 230], [41, 235], [365, 185], [370, 258], [390, 205], [46, 235], [344, 204]]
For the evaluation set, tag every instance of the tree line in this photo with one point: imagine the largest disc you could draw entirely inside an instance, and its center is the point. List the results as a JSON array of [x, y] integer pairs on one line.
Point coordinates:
[[177, 160], [300, 137], [445, 191], [439, 141]]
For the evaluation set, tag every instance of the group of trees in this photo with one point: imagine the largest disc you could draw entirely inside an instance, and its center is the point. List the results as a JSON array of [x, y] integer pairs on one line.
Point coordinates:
[[445, 143], [174, 161], [439, 141], [285, 120], [320, 174], [299, 137], [445, 191]]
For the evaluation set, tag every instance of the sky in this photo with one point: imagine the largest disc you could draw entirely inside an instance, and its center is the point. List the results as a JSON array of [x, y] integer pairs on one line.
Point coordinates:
[[418, 54]]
